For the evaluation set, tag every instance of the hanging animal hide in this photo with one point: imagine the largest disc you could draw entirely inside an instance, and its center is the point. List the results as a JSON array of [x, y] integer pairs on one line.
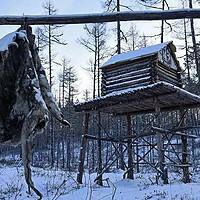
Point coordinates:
[[25, 97]]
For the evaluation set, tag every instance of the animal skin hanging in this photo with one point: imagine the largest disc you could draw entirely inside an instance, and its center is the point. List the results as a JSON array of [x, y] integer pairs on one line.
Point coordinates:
[[25, 97]]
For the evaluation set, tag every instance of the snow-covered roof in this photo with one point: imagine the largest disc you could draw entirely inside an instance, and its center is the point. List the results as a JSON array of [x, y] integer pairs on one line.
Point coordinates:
[[132, 55], [141, 99]]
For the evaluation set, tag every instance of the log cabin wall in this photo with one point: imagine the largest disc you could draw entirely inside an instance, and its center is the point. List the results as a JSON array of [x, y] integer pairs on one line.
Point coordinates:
[[169, 75], [161, 66], [127, 75]]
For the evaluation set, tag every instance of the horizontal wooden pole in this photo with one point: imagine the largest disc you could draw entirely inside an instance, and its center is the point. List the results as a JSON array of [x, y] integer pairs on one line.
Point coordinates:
[[100, 17], [91, 137], [161, 130]]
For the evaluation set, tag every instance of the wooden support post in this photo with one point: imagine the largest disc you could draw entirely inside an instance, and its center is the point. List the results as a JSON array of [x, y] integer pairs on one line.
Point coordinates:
[[83, 150], [186, 174], [130, 150], [99, 170], [160, 146]]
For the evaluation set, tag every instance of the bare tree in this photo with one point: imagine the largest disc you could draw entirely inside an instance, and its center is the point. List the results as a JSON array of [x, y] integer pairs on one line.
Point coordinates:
[[131, 39], [95, 42], [161, 5], [194, 44], [68, 79], [49, 35]]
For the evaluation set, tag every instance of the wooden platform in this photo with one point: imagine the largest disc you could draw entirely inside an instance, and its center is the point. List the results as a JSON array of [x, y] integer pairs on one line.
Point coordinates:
[[142, 100]]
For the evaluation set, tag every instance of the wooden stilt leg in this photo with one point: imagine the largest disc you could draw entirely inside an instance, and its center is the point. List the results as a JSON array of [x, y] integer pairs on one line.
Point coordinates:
[[83, 150], [99, 171], [186, 175], [130, 150], [160, 146]]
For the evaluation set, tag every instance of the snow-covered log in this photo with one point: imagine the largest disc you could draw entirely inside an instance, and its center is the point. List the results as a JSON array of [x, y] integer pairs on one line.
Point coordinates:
[[100, 17], [25, 97]]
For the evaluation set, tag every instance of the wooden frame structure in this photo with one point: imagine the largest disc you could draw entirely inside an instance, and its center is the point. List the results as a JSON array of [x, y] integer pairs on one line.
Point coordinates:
[[153, 98]]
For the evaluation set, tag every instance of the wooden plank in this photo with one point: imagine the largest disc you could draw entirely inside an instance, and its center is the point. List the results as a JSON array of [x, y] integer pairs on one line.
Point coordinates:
[[100, 17]]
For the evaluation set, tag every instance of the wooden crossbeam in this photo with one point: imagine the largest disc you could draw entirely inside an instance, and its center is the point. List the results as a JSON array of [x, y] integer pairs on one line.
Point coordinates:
[[161, 130], [108, 166], [108, 139], [178, 165], [100, 17]]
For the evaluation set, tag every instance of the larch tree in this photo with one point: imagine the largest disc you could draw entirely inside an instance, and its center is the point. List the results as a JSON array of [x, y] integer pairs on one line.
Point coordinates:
[[160, 5], [49, 35], [194, 44], [131, 38], [111, 6], [95, 42], [68, 80]]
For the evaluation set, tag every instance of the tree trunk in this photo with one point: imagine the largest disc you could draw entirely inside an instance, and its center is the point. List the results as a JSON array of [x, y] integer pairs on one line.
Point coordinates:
[[194, 45]]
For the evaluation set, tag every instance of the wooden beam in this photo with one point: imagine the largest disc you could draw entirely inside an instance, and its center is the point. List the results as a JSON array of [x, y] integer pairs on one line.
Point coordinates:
[[160, 144], [161, 130], [130, 148], [186, 174], [107, 139], [82, 151], [99, 17], [99, 149], [107, 167]]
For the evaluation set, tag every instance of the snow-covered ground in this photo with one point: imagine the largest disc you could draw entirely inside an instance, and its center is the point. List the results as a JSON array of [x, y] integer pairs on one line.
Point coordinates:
[[62, 185]]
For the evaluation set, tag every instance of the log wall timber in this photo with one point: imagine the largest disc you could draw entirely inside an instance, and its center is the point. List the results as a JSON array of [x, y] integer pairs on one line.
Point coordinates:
[[167, 74], [100, 17]]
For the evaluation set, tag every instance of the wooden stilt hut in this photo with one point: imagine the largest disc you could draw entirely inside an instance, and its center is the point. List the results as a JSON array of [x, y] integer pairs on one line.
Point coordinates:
[[138, 82]]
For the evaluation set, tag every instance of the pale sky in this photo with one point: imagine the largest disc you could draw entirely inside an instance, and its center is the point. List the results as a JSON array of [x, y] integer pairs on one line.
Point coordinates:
[[78, 55]]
